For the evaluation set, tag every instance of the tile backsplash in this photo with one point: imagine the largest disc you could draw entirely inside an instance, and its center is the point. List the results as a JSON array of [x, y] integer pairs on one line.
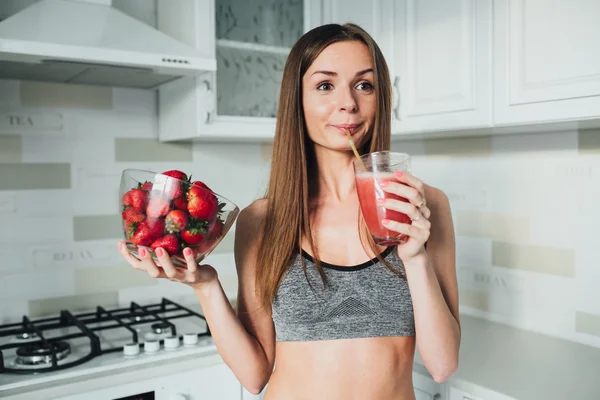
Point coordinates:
[[525, 215], [62, 150], [524, 207]]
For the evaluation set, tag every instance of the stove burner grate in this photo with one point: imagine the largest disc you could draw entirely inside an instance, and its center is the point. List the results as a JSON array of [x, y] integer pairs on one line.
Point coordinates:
[[42, 352]]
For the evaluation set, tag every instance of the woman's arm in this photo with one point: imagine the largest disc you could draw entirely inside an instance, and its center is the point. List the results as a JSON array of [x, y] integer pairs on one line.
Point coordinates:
[[434, 291]]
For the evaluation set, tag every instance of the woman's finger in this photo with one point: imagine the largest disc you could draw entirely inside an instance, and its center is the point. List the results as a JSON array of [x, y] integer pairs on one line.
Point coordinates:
[[190, 259], [148, 263], [166, 263], [413, 231], [411, 181], [399, 189], [131, 260], [401, 206]]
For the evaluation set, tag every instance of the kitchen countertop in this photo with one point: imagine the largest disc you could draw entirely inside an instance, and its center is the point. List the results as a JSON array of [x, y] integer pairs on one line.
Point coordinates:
[[525, 365]]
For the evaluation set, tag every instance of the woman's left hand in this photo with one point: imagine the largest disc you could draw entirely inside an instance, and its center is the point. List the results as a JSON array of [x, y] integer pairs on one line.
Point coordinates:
[[412, 189]]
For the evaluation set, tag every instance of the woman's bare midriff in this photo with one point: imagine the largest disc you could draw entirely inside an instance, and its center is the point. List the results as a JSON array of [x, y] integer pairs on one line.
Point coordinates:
[[348, 369]]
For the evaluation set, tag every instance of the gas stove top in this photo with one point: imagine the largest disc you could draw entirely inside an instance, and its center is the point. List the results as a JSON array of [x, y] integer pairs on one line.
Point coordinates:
[[74, 344]]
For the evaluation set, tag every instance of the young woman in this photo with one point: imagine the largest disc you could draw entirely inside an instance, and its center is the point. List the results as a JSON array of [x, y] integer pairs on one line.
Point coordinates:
[[324, 313]]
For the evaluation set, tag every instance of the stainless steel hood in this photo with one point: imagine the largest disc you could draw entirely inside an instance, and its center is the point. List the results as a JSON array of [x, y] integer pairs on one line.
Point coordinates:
[[77, 41]]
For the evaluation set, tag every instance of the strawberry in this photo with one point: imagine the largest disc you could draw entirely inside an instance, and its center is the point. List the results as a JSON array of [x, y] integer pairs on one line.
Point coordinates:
[[169, 243], [216, 229], [157, 207], [135, 198], [131, 215], [180, 203], [173, 173], [192, 236], [147, 231], [202, 203], [201, 184], [157, 227], [147, 186], [175, 187], [176, 221]]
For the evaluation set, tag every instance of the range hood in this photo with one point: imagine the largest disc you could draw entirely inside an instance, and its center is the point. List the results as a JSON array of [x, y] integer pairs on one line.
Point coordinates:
[[82, 42]]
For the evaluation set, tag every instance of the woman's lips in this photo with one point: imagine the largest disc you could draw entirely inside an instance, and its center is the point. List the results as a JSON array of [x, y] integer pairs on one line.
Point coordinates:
[[351, 127]]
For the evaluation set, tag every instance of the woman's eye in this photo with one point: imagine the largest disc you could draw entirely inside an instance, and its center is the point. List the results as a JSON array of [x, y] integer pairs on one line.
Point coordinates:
[[324, 86], [367, 86]]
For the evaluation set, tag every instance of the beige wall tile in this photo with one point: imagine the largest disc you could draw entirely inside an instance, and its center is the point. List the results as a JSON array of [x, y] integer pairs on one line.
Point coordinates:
[[88, 302], [589, 141], [133, 150], [493, 225], [587, 323], [10, 148], [108, 279], [58, 95], [546, 260], [96, 227], [266, 151], [474, 298], [226, 244], [463, 146], [35, 176]]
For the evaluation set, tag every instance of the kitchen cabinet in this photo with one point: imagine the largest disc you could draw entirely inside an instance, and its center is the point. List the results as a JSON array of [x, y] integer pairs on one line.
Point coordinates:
[[442, 65], [213, 382], [546, 61], [457, 394], [426, 388], [250, 41]]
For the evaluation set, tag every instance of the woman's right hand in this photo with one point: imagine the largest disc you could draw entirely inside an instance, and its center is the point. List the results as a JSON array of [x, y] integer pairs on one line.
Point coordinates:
[[195, 276]]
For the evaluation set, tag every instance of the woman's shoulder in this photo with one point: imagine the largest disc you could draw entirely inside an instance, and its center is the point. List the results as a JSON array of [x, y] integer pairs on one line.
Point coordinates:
[[252, 216], [436, 198]]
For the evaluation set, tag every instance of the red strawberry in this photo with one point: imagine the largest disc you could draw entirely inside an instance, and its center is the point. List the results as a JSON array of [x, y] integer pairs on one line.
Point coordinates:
[[147, 231], [131, 215], [176, 221], [174, 187], [157, 227], [157, 207], [216, 229], [135, 198], [147, 186], [169, 243], [192, 236], [180, 203], [173, 173], [202, 203], [201, 184]]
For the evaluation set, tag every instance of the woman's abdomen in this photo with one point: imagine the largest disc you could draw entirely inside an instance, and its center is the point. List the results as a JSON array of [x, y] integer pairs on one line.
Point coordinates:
[[365, 368]]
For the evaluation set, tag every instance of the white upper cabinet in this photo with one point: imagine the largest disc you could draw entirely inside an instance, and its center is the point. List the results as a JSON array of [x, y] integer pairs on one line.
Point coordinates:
[[373, 16], [546, 60], [250, 41], [442, 65]]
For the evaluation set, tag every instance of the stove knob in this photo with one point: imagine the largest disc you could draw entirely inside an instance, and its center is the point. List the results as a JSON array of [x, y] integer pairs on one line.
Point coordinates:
[[131, 349], [190, 339], [151, 346], [171, 342]]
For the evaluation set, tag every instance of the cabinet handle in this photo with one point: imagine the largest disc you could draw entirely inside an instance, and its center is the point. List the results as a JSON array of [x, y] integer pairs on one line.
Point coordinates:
[[208, 101], [396, 99], [437, 396]]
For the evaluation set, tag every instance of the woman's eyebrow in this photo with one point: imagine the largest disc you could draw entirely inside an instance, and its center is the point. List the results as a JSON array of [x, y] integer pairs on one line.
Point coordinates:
[[331, 73]]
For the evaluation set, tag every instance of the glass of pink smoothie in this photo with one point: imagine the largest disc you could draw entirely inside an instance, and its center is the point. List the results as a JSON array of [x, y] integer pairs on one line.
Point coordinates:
[[369, 172]]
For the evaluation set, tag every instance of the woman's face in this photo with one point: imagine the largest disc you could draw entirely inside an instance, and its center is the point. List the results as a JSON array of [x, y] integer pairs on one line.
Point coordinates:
[[338, 93]]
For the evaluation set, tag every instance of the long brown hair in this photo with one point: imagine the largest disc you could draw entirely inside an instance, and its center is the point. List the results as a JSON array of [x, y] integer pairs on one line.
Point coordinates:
[[293, 162]]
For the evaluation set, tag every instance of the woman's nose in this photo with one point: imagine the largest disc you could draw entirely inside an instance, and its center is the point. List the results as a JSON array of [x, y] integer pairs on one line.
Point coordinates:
[[346, 101]]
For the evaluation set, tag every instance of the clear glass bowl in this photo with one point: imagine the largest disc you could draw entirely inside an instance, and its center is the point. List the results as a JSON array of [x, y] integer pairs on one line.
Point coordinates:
[[161, 211]]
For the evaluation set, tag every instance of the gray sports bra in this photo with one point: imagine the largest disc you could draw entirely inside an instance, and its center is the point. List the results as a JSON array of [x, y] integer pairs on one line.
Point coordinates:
[[364, 300]]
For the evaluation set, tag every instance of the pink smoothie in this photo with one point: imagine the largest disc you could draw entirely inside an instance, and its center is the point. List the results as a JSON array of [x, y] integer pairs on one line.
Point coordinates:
[[369, 190]]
